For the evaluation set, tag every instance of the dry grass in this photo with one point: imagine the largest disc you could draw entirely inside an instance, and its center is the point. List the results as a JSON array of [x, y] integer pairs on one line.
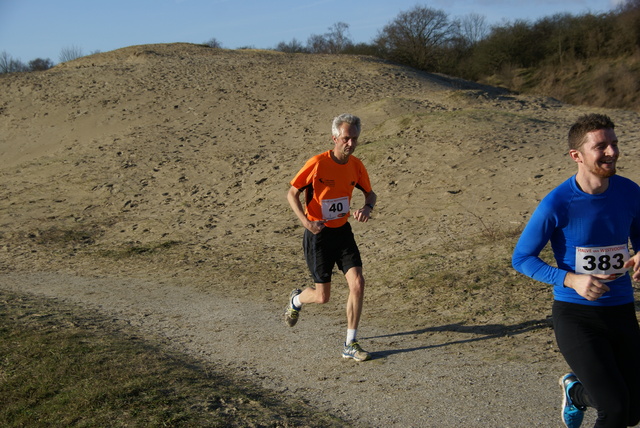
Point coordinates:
[[610, 84], [61, 366]]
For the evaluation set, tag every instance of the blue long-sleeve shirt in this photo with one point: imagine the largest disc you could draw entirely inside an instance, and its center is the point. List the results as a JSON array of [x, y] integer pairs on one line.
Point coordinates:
[[588, 234]]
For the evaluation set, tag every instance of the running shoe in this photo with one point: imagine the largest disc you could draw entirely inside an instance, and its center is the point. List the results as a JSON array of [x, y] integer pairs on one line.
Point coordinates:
[[290, 313], [572, 415], [354, 351]]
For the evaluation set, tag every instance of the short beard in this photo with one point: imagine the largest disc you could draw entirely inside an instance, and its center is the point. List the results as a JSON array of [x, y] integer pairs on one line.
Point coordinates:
[[603, 173]]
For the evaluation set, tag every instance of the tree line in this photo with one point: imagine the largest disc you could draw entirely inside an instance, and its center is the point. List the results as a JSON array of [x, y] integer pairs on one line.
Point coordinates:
[[468, 47], [544, 56], [8, 64]]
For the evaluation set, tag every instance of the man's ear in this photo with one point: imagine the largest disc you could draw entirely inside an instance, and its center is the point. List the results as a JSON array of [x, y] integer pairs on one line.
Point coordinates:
[[575, 155]]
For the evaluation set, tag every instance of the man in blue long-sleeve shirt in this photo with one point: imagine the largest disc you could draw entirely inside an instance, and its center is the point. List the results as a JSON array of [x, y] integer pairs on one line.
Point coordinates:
[[589, 220]]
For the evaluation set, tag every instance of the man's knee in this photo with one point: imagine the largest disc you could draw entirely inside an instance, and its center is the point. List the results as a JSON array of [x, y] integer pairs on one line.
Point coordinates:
[[634, 416], [613, 414], [356, 285]]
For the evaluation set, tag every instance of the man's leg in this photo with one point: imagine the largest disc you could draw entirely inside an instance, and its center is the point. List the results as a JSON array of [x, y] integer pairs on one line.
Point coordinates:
[[628, 355], [356, 295], [581, 334], [352, 348], [320, 293], [320, 261]]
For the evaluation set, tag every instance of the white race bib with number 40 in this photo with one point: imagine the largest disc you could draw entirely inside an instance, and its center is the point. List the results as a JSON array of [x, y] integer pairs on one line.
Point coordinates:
[[602, 260], [335, 208]]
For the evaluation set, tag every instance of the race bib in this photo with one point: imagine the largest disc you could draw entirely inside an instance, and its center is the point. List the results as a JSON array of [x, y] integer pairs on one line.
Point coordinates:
[[335, 208], [602, 260]]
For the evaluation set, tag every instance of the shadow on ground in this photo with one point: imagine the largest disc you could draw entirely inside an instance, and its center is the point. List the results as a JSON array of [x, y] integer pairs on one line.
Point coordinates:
[[479, 332]]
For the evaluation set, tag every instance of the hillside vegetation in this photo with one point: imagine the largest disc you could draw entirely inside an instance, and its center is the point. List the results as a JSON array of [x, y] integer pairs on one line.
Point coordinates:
[[588, 59], [610, 83]]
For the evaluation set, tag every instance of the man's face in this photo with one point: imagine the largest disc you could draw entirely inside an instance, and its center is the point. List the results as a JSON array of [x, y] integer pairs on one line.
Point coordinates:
[[347, 142], [599, 153]]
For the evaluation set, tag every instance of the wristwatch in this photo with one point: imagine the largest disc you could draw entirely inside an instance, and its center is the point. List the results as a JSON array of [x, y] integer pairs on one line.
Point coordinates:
[[369, 205]]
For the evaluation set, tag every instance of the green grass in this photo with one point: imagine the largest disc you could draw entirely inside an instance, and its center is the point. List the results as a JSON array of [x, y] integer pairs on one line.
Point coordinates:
[[60, 366]]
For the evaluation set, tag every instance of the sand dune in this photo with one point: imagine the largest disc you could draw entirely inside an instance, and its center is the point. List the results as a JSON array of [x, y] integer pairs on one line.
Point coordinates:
[[171, 162]]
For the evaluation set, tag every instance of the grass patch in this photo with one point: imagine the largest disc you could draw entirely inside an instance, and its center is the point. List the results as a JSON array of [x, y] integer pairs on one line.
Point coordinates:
[[60, 366], [133, 249], [474, 285], [65, 237]]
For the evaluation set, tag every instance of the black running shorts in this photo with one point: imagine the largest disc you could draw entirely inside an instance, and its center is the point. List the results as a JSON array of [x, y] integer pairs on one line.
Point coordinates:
[[330, 247]]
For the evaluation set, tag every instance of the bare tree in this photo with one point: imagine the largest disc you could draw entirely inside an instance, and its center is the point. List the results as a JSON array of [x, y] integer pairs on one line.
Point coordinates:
[[338, 37], [415, 37], [10, 65], [317, 43], [213, 43], [629, 5], [336, 41], [294, 46], [627, 37], [474, 28], [40, 64], [70, 53], [5, 62]]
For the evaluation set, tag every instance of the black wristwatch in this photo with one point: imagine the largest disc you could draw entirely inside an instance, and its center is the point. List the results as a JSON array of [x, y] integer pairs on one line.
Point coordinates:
[[369, 205]]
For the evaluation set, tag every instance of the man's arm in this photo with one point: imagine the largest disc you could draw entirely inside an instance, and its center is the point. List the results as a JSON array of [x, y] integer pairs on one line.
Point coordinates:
[[293, 196], [634, 262], [588, 286], [526, 254], [526, 259], [364, 213]]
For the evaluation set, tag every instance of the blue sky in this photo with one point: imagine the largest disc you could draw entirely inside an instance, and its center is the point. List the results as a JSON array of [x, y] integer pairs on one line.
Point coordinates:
[[32, 29]]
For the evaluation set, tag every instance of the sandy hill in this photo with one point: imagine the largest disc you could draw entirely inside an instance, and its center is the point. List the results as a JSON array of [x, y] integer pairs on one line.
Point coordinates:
[[174, 160]]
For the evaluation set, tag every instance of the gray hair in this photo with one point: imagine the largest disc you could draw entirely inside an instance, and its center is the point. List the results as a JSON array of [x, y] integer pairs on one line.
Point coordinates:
[[344, 118]]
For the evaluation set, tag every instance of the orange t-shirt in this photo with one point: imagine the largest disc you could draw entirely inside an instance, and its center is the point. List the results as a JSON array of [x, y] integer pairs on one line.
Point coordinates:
[[328, 187]]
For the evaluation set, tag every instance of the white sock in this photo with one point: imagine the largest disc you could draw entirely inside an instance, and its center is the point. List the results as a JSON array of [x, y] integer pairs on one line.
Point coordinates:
[[351, 335], [296, 302]]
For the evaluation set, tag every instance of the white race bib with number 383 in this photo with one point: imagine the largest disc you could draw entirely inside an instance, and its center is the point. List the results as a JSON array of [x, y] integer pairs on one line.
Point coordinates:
[[335, 208], [602, 260]]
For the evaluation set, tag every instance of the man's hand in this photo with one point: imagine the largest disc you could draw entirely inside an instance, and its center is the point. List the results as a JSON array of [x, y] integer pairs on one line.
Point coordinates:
[[634, 262], [588, 286], [363, 214], [314, 226], [293, 196]]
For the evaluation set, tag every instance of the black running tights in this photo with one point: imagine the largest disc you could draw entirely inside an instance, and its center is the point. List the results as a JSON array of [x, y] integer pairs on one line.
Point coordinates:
[[602, 347]]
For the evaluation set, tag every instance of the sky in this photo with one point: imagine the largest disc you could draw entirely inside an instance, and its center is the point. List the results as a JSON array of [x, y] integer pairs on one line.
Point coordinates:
[[31, 29]]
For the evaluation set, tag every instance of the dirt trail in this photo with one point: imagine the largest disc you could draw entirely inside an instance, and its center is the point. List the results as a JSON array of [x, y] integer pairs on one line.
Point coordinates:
[[417, 378]]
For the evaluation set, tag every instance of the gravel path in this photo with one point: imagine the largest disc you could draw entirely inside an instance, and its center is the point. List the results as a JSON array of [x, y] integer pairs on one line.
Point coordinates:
[[416, 378]]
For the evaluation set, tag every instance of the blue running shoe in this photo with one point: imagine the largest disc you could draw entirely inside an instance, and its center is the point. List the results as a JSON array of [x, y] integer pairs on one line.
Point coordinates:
[[572, 415]]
